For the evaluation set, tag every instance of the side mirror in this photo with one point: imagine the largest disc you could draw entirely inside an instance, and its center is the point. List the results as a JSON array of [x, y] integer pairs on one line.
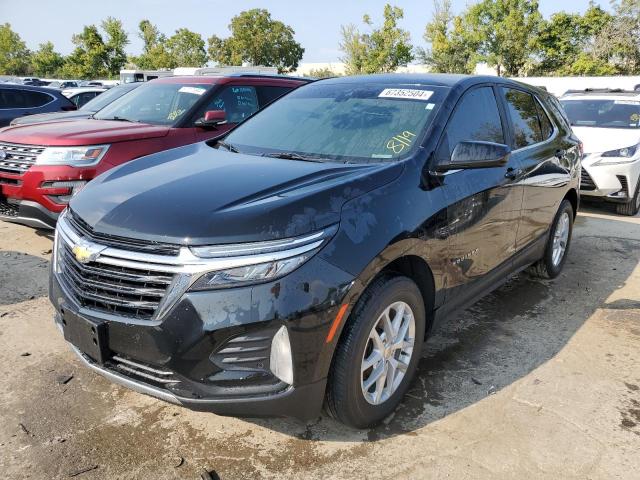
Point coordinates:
[[212, 118], [475, 154]]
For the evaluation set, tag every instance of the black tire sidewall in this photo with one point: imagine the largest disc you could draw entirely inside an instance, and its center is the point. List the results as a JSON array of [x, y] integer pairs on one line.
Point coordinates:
[[361, 413], [554, 270]]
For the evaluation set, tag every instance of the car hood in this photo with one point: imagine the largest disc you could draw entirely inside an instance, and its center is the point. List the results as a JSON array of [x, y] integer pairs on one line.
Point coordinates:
[[50, 117], [197, 195], [598, 140], [81, 132]]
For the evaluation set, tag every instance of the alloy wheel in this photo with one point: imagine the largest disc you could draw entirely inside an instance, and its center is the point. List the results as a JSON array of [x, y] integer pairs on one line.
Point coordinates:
[[560, 238], [388, 353]]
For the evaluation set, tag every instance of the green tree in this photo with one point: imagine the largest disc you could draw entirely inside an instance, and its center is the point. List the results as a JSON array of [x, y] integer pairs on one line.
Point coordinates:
[[46, 62], [89, 58], [618, 42], [451, 49], [154, 52], [14, 54], [566, 43], [506, 33], [384, 49], [258, 39], [186, 49], [116, 41], [322, 73]]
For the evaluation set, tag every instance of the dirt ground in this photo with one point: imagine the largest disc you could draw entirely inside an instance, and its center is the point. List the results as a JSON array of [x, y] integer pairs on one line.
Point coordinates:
[[538, 380]]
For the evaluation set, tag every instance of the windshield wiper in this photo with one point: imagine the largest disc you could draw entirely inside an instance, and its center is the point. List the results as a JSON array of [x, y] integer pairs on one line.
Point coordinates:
[[228, 146], [292, 156], [120, 119]]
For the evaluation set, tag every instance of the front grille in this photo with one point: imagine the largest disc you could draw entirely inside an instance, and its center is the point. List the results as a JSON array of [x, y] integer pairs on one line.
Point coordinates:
[[18, 158], [625, 185], [84, 230], [8, 209], [586, 182], [112, 289]]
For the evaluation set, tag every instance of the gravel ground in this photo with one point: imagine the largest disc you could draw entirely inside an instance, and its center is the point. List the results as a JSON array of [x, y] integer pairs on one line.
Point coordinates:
[[538, 380]]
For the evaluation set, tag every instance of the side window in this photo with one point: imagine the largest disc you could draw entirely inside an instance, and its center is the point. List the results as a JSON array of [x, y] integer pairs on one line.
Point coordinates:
[[266, 95], [545, 123], [13, 98], [238, 102], [36, 99], [524, 116], [476, 117]]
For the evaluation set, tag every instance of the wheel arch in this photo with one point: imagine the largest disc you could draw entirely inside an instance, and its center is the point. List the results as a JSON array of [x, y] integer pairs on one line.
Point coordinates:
[[572, 196]]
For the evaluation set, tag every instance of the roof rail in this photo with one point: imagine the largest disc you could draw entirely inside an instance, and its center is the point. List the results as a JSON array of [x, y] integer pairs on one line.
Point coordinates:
[[270, 75], [602, 90]]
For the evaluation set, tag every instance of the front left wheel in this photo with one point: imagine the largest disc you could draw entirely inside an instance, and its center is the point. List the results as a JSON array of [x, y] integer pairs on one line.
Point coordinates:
[[633, 206], [378, 352]]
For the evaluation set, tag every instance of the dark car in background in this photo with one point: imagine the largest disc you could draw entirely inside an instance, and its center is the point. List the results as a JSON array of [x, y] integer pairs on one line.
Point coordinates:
[[305, 257], [23, 100], [43, 165], [85, 111]]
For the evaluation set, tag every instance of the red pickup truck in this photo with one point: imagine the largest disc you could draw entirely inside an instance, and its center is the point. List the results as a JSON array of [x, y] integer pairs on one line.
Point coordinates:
[[43, 165]]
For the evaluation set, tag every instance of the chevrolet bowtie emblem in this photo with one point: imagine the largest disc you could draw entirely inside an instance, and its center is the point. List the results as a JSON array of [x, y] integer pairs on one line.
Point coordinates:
[[86, 252]]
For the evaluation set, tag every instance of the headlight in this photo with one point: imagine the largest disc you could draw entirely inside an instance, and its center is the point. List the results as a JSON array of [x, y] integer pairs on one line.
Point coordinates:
[[72, 156], [249, 263], [616, 157]]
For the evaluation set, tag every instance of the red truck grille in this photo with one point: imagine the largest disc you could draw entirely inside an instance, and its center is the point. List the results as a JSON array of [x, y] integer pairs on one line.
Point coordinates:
[[16, 159]]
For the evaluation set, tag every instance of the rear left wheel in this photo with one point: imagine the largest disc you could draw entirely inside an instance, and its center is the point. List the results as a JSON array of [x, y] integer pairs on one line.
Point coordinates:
[[378, 353], [555, 253]]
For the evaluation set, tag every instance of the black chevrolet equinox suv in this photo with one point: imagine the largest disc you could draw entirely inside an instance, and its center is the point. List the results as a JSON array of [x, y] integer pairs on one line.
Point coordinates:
[[304, 259]]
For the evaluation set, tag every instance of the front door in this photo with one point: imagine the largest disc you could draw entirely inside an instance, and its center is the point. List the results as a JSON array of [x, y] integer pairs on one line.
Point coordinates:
[[484, 203]]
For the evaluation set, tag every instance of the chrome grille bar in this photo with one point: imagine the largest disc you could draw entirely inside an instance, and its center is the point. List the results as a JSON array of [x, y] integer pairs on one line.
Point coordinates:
[[18, 158]]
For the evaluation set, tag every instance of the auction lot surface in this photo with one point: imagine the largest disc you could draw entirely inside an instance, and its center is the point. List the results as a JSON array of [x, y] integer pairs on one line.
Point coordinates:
[[538, 380]]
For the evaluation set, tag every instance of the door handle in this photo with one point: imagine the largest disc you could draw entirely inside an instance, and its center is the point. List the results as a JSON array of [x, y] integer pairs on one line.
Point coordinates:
[[513, 173]]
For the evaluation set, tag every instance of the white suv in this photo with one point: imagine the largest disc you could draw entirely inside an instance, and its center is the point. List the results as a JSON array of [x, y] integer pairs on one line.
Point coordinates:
[[608, 124]]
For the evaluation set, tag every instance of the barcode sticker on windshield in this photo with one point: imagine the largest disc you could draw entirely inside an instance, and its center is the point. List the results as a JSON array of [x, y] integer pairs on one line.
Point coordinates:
[[407, 93], [194, 90], [625, 102]]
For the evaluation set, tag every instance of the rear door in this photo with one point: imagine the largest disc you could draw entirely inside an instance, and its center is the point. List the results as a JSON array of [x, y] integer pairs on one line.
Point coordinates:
[[484, 203], [541, 149]]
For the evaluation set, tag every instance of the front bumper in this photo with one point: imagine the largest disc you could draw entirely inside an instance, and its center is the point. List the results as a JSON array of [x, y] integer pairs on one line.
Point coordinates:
[[25, 197], [189, 343], [612, 183], [26, 212]]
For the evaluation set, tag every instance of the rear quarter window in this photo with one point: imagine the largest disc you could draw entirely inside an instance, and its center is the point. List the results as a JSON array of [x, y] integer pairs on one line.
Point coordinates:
[[523, 111]]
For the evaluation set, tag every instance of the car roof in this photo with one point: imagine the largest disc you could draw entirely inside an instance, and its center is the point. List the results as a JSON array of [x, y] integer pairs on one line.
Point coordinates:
[[30, 87], [215, 79], [85, 89], [600, 94], [433, 79]]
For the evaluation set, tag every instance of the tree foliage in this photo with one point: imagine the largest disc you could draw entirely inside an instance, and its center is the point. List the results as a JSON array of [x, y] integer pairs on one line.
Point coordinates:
[[186, 49], [505, 32], [258, 39], [89, 58], [14, 54], [115, 43], [451, 49], [383, 49], [154, 52], [46, 62], [322, 73]]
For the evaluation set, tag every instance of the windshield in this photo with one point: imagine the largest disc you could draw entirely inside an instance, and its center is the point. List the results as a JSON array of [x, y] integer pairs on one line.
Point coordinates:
[[341, 121], [105, 98], [156, 104], [603, 113]]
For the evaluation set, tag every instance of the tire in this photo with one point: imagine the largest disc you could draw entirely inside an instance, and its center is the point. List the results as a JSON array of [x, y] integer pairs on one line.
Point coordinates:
[[633, 206], [550, 266], [346, 400]]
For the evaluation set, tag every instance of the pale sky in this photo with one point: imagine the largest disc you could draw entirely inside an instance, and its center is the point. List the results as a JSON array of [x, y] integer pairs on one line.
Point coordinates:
[[317, 23]]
